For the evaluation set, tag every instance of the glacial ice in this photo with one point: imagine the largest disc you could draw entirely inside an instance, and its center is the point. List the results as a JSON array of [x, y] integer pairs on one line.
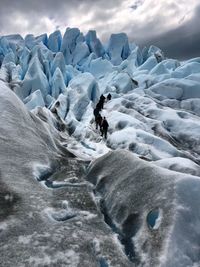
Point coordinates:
[[34, 100], [129, 189], [10, 57], [149, 64], [153, 115], [118, 48], [139, 141], [180, 165], [94, 44], [54, 41], [177, 89], [71, 39], [186, 70], [57, 84], [99, 67], [42, 39], [192, 105], [34, 79], [30, 151], [81, 51], [58, 62], [30, 41]]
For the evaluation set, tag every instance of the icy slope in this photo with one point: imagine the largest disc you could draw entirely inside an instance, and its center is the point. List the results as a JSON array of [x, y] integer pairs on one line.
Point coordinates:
[[154, 111], [48, 216], [154, 211]]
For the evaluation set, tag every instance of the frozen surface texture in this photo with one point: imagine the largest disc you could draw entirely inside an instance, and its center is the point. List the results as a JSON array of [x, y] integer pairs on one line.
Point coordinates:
[[48, 216], [130, 189]]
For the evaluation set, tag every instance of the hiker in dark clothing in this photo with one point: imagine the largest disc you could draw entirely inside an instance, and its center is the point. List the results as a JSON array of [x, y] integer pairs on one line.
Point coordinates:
[[96, 112], [98, 106], [102, 97], [109, 97], [104, 126], [98, 121], [101, 101], [97, 115]]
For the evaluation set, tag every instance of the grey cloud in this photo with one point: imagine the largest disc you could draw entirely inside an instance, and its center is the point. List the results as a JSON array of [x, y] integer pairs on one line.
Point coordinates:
[[59, 12], [54, 8], [150, 27], [137, 4], [182, 42]]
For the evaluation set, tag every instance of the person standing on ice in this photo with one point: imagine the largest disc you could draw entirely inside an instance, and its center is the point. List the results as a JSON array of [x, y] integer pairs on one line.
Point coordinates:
[[98, 121], [109, 97], [96, 112], [97, 115], [104, 126], [101, 101], [98, 106]]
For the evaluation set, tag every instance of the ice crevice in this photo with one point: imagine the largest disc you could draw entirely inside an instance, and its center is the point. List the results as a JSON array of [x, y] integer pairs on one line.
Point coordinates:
[[124, 235], [124, 238]]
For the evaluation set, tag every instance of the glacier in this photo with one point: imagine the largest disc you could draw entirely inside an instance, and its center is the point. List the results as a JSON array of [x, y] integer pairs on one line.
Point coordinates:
[[68, 196]]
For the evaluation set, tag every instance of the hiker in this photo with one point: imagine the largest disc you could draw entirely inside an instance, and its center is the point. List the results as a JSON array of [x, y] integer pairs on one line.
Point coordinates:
[[104, 126], [96, 112], [98, 121], [101, 101], [109, 97], [98, 106]]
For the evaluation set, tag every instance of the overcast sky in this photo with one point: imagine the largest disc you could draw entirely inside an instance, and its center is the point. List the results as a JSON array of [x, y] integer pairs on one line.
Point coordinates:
[[171, 25]]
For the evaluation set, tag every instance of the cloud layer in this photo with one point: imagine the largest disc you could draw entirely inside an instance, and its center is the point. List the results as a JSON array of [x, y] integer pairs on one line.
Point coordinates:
[[172, 25]]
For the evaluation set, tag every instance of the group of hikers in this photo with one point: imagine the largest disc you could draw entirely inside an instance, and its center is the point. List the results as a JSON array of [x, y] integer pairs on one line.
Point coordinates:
[[101, 122]]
